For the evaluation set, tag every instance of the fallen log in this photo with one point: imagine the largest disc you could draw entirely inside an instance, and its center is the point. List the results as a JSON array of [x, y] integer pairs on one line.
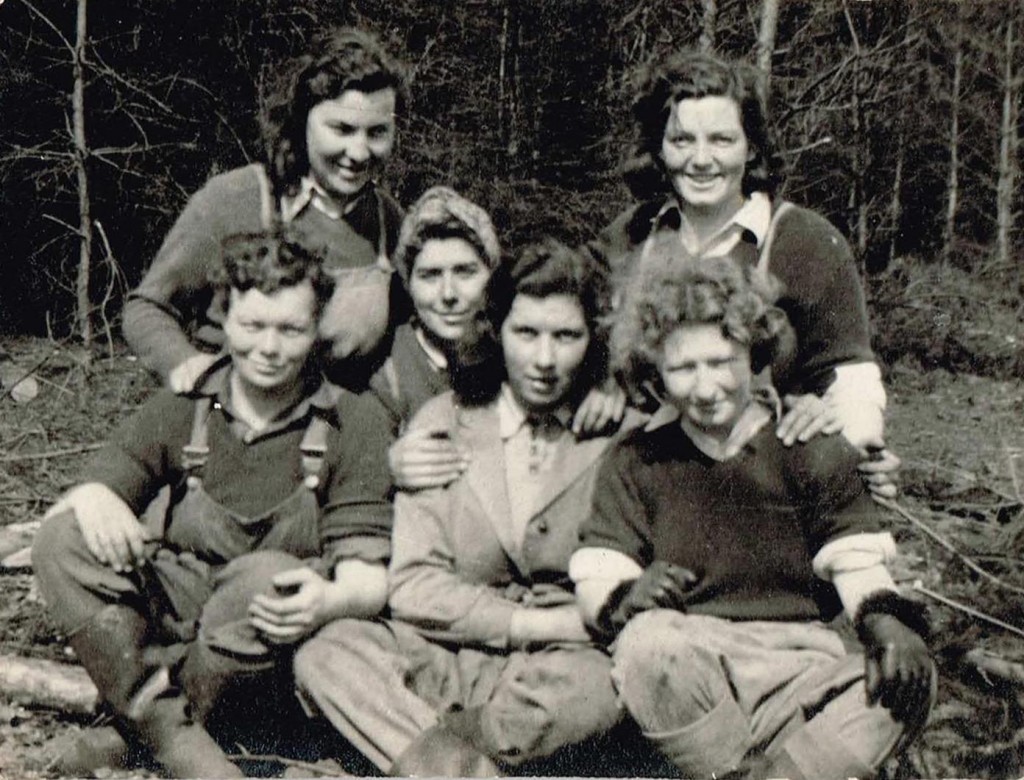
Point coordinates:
[[39, 683]]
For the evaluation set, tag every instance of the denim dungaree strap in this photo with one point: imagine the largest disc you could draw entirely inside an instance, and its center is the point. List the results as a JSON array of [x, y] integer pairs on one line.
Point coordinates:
[[217, 534]]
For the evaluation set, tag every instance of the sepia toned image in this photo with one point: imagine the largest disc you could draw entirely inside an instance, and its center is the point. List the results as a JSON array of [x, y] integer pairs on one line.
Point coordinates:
[[565, 388]]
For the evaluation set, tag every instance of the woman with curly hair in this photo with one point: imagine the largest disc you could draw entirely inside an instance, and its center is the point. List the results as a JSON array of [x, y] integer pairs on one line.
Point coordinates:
[[715, 555], [329, 127], [706, 171], [279, 521]]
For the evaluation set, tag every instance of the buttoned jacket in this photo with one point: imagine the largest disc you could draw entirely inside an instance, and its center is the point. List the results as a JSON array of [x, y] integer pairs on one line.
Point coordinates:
[[457, 572]]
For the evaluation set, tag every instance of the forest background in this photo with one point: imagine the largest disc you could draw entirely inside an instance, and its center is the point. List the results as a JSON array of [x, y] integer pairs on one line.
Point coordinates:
[[898, 119]]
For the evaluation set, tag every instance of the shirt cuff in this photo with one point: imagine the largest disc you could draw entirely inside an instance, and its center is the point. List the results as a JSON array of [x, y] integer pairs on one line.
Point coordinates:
[[856, 567], [858, 397]]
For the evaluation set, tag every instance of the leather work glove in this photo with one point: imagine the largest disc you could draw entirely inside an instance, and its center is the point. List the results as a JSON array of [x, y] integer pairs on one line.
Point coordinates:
[[662, 585], [899, 666]]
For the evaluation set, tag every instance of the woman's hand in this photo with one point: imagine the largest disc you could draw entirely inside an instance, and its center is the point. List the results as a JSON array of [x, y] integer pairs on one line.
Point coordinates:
[[183, 376], [540, 625], [294, 611], [806, 416], [425, 459], [880, 471], [112, 532], [601, 411]]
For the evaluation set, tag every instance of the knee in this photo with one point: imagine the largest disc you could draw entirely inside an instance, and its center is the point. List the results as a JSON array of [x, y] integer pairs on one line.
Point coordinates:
[[660, 653], [658, 642], [254, 571], [57, 543], [328, 655]]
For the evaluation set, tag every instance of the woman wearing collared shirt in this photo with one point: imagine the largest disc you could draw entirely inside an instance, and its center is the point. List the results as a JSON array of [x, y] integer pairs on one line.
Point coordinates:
[[330, 128], [705, 164]]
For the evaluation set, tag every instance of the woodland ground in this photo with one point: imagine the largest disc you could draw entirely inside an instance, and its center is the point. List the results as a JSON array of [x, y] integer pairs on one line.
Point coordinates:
[[960, 437]]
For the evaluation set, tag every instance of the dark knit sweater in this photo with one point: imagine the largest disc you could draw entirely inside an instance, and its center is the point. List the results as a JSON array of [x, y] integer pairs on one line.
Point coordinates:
[[823, 297], [408, 379], [171, 308], [251, 475], [748, 526]]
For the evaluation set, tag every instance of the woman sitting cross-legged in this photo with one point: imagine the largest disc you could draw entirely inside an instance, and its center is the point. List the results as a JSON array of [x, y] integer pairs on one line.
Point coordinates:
[[715, 553], [279, 521], [486, 664]]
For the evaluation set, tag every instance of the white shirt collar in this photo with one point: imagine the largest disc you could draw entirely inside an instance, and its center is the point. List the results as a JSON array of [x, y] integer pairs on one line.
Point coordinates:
[[765, 407], [311, 193], [512, 416], [754, 215]]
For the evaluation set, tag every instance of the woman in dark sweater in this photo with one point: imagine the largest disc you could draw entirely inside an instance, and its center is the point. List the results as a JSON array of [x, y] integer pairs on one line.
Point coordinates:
[[705, 170], [329, 129], [715, 554]]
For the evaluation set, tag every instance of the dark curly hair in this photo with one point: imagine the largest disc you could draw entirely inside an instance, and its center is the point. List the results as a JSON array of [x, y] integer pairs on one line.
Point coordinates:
[[675, 289], [662, 83], [338, 60], [268, 261], [544, 268]]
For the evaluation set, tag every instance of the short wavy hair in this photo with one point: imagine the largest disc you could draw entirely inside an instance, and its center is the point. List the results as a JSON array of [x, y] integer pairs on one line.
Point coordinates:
[[544, 268], [442, 213], [339, 59], [662, 83], [675, 289], [268, 261]]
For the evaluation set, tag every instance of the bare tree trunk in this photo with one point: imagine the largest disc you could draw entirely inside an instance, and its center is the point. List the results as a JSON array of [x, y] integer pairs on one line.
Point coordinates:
[[1007, 148], [896, 201], [858, 131], [708, 25], [766, 37], [953, 180], [80, 155]]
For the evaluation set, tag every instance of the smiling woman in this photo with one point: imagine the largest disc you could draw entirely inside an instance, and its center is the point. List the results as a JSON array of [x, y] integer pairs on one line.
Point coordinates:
[[278, 521], [330, 127], [704, 163]]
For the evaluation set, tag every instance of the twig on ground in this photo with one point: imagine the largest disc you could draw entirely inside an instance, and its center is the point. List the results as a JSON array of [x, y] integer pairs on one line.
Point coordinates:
[[305, 766], [970, 564], [968, 610], [51, 454]]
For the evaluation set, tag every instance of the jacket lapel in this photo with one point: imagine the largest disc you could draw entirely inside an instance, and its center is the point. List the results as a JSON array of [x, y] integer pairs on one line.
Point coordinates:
[[575, 458]]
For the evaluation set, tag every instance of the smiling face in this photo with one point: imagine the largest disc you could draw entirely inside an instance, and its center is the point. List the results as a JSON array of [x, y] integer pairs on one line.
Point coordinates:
[[447, 286], [348, 140], [705, 152], [544, 341], [707, 377], [270, 337]]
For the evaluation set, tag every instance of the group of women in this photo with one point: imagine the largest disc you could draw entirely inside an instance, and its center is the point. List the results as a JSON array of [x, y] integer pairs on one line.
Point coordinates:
[[490, 513]]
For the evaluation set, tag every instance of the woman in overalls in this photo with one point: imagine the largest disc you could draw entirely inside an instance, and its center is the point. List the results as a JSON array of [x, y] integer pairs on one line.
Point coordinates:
[[329, 129], [279, 520]]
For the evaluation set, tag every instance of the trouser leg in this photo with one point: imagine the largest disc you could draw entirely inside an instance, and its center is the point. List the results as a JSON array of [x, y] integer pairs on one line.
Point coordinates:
[[228, 653], [679, 693], [547, 700], [358, 674], [843, 735]]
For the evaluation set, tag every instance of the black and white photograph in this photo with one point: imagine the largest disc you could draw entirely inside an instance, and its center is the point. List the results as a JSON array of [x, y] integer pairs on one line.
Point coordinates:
[[538, 388]]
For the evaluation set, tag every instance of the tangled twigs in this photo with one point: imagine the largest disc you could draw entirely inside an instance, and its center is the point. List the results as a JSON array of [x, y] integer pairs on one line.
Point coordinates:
[[970, 564], [51, 454], [975, 613]]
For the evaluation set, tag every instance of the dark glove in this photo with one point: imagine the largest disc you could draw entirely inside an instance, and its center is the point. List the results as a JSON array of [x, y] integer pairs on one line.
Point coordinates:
[[899, 666], [662, 585]]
